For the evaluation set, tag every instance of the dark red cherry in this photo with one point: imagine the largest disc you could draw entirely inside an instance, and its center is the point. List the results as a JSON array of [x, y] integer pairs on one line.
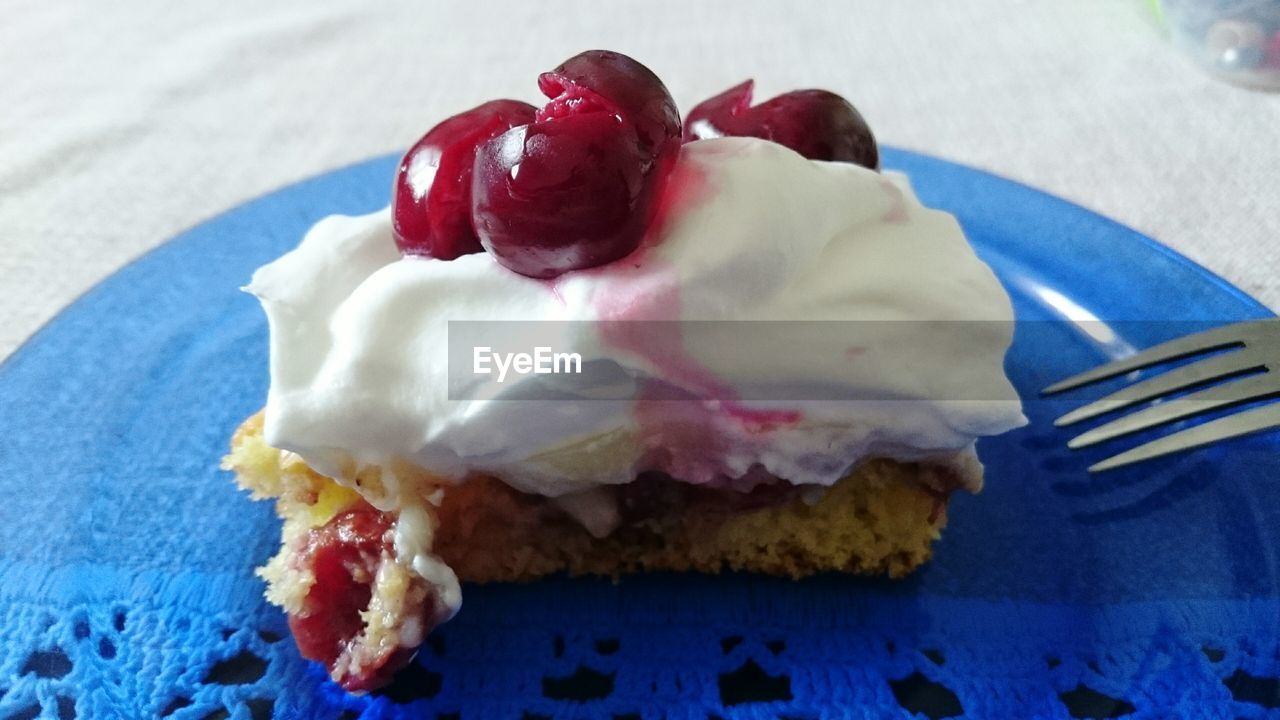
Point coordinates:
[[431, 205], [344, 555], [578, 187], [819, 125], [613, 82]]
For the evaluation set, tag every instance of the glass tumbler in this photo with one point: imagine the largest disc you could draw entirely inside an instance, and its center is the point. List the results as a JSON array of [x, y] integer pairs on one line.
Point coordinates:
[[1236, 40]]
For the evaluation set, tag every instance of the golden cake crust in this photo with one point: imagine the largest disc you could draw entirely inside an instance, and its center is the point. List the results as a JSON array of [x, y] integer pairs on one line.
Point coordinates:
[[880, 519]]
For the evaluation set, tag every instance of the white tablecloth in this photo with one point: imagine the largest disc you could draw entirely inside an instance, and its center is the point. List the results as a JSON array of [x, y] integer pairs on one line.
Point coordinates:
[[123, 123]]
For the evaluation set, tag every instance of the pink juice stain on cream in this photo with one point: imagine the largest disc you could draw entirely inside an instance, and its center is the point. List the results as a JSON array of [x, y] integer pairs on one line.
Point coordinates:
[[677, 419]]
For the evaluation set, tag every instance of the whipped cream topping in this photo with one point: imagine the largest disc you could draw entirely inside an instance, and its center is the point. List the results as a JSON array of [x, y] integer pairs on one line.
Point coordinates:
[[414, 534], [750, 231]]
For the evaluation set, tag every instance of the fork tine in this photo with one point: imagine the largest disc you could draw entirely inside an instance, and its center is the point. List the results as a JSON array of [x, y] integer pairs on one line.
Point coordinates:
[[1258, 419], [1218, 366], [1194, 344], [1254, 387]]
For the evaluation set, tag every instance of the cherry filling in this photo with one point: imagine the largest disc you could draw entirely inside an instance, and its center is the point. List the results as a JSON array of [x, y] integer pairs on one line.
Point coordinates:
[[656, 495], [345, 555], [818, 124]]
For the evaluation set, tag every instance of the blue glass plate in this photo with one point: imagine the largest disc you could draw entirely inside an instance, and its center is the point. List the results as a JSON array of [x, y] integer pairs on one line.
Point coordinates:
[[126, 556]]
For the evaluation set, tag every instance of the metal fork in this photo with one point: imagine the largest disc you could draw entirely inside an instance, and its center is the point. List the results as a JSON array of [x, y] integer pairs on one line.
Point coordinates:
[[1251, 363]]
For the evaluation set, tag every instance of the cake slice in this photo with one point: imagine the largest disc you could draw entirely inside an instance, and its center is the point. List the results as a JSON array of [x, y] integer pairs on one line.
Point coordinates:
[[882, 518], [586, 340]]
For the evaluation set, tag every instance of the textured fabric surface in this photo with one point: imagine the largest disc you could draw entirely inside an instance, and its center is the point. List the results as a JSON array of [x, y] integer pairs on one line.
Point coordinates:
[[126, 556], [126, 122]]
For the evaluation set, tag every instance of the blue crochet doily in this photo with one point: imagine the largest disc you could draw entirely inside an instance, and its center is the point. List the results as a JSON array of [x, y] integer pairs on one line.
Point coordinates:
[[126, 556]]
